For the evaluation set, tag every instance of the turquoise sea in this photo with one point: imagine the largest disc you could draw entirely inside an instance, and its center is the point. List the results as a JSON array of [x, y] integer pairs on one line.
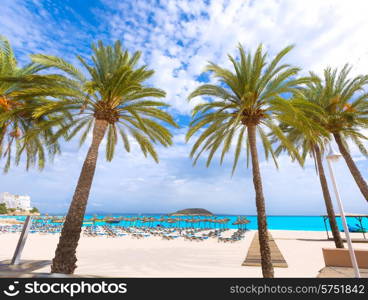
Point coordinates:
[[308, 223]]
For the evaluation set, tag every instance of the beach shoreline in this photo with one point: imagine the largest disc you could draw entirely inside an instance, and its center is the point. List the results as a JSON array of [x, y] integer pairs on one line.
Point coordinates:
[[154, 257]]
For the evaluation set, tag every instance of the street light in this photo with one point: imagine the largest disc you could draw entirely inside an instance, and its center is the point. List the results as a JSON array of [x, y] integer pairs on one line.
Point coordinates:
[[331, 157]]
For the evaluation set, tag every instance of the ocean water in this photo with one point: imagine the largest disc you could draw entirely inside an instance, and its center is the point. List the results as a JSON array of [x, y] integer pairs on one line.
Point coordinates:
[[307, 223]]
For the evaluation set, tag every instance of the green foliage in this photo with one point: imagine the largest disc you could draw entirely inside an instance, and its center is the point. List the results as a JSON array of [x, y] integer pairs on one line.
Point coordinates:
[[342, 103], [299, 125], [34, 210], [3, 209], [114, 91], [332, 104], [21, 92], [248, 95]]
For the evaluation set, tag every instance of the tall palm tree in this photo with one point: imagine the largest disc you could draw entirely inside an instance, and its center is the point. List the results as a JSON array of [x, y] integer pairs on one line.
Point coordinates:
[[345, 106], [113, 101], [21, 91], [244, 103], [310, 140]]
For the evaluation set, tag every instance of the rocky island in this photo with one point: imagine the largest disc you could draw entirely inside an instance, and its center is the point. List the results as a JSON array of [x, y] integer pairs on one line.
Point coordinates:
[[192, 212]]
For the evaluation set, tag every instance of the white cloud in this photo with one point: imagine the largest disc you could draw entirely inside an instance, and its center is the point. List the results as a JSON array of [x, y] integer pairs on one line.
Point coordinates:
[[325, 33]]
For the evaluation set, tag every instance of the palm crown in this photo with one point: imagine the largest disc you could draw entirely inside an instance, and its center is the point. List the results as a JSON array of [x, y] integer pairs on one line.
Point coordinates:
[[342, 103], [22, 91], [248, 96], [304, 131], [114, 92]]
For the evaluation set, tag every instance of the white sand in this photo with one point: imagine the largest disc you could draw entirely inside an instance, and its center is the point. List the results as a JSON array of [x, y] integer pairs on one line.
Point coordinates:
[[153, 257]]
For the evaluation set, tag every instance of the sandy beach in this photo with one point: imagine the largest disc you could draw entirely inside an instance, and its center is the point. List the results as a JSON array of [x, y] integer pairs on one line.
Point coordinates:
[[154, 257]]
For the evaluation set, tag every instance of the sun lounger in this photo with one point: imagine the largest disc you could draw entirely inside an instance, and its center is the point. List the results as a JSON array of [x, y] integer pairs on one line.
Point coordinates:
[[341, 257]]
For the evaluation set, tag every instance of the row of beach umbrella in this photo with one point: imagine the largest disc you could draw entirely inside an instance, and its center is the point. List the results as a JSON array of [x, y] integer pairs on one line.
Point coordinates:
[[189, 221], [206, 222]]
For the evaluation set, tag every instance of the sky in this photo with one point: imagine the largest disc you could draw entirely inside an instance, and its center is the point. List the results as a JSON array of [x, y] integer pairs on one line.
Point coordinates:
[[177, 38]]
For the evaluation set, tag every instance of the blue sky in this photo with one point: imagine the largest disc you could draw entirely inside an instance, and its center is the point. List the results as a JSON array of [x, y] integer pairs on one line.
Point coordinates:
[[177, 39]]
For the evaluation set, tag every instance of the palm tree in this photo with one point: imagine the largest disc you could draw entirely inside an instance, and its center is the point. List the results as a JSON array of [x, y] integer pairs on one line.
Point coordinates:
[[345, 106], [113, 101], [310, 140], [244, 103], [21, 92]]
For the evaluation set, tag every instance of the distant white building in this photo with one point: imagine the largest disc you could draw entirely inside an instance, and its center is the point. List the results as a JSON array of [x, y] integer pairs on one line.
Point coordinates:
[[16, 201]]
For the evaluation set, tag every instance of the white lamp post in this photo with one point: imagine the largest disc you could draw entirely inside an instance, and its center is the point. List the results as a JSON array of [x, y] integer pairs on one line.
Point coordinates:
[[334, 156]]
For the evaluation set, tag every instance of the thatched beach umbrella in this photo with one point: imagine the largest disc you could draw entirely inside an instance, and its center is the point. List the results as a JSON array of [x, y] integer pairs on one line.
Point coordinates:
[[144, 220], [214, 221], [241, 222], [126, 220], [135, 220], [199, 221], [220, 222], [178, 221], [190, 222], [187, 222], [161, 220], [152, 220], [217, 222], [206, 223], [131, 221], [171, 221], [237, 222], [225, 222], [196, 221]]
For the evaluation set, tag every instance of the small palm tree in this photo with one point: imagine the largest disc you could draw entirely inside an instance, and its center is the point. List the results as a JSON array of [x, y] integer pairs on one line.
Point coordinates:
[[345, 112], [21, 91], [310, 140], [244, 103], [113, 101]]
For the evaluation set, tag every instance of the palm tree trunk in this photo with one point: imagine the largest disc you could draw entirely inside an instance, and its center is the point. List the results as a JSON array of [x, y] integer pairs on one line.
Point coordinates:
[[328, 202], [267, 268], [352, 166], [65, 254]]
